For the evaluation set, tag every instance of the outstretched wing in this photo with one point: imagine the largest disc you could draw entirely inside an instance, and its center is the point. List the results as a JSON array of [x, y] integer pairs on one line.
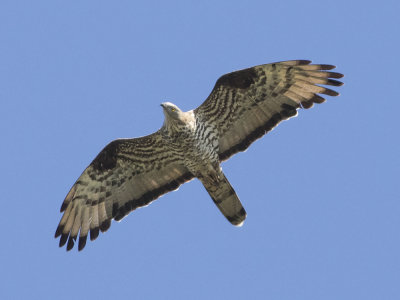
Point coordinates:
[[125, 175], [246, 104]]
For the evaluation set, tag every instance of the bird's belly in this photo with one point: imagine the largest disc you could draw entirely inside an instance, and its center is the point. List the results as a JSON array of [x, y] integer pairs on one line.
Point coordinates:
[[202, 160]]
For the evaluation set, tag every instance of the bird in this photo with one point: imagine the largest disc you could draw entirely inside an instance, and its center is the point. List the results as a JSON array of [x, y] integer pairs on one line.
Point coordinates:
[[242, 107]]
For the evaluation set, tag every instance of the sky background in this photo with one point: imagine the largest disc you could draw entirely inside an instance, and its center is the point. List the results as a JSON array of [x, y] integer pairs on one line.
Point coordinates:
[[321, 190]]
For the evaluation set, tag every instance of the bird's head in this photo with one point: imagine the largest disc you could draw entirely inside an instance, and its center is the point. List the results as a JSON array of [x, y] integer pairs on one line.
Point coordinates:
[[171, 110]]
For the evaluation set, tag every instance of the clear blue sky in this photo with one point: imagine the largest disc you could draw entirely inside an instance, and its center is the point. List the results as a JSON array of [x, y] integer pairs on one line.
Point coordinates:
[[321, 191]]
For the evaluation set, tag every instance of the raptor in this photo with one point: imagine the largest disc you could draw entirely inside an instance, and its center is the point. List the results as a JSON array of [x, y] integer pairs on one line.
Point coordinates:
[[243, 106]]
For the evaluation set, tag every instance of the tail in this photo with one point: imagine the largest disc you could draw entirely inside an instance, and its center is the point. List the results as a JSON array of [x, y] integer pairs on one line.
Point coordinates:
[[225, 198]]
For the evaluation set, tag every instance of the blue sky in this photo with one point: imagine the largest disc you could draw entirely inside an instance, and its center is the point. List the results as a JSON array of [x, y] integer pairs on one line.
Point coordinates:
[[321, 190]]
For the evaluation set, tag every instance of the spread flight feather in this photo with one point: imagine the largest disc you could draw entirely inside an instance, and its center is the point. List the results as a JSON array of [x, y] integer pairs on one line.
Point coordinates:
[[131, 173]]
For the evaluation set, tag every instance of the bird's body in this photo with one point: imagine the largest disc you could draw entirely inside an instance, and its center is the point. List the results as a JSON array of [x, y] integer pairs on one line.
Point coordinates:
[[196, 142], [197, 146], [131, 173]]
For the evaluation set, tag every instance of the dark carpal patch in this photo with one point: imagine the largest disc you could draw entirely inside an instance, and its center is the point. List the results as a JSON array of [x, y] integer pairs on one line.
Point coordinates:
[[107, 158], [240, 79]]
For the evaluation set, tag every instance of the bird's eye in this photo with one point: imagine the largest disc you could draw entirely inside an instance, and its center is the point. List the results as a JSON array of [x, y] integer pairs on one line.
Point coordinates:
[[173, 109]]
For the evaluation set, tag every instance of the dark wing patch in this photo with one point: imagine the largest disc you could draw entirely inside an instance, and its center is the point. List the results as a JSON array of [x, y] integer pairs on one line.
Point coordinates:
[[239, 80], [107, 158], [246, 104]]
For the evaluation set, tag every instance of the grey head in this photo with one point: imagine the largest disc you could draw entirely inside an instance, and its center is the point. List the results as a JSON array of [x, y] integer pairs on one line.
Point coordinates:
[[171, 111]]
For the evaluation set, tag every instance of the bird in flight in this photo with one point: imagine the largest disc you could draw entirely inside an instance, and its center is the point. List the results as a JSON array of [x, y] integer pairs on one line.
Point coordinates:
[[242, 107]]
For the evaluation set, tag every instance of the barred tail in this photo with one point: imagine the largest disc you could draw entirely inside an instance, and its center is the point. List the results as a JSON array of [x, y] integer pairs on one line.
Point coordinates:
[[225, 198]]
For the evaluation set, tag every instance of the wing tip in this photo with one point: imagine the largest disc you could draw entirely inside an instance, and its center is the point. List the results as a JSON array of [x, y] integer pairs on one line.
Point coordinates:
[[63, 207], [71, 243], [59, 231], [94, 233], [63, 239], [333, 82], [326, 67], [340, 75], [105, 225], [330, 92], [82, 242]]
